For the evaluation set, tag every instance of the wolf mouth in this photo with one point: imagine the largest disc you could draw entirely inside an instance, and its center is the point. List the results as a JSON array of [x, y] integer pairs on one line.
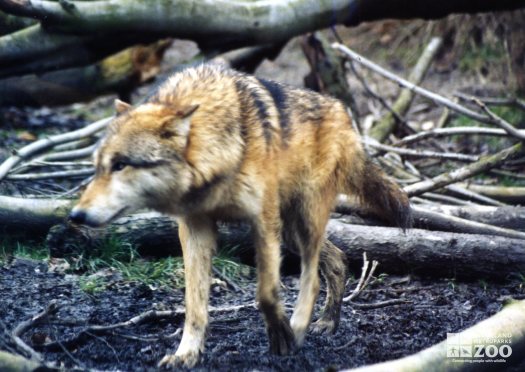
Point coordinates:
[[115, 216], [119, 213]]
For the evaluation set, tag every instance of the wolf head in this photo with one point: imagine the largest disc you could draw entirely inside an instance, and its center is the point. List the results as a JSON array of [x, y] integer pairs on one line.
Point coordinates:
[[139, 164]]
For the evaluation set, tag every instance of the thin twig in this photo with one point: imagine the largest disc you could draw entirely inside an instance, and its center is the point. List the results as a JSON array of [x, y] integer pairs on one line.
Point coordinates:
[[25, 325], [500, 122], [374, 95], [494, 101], [446, 199], [227, 280], [438, 99], [364, 280], [73, 190], [146, 316], [377, 305], [422, 153], [50, 175], [69, 154], [442, 132], [452, 223]]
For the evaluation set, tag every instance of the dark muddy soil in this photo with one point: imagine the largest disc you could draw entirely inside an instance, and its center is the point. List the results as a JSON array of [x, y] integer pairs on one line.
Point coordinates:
[[237, 339]]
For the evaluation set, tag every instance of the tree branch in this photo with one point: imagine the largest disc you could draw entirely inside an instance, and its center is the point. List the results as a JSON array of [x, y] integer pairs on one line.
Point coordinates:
[[484, 164], [36, 147]]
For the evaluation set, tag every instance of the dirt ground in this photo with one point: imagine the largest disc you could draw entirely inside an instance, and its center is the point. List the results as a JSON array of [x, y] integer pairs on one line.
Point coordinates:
[[237, 340]]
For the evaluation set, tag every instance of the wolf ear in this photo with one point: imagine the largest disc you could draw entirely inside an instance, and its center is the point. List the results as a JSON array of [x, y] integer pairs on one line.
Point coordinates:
[[184, 115], [121, 106], [180, 122]]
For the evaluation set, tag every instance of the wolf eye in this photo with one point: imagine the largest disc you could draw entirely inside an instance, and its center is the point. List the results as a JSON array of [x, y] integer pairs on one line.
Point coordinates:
[[118, 166]]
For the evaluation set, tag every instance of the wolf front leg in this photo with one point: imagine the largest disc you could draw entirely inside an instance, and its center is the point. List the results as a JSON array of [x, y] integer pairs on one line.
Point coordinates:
[[198, 241], [267, 245]]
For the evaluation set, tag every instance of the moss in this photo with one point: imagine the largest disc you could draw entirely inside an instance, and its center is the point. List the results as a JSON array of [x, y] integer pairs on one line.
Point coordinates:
[[475, 58]]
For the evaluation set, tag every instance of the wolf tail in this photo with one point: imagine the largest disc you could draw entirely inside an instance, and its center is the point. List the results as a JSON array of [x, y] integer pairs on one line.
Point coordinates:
[[381, 195]]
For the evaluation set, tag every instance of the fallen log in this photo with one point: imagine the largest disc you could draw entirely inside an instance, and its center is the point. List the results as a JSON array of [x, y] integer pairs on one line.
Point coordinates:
[[432, 253], [35, 215], [437, 221], [419, 251], [119, 73], [16, 363], [514, 195], [230, 24], [10, 23], [41, 214], [510, 217], [233, 20], [35, 50], [427, 219], [510, 321]]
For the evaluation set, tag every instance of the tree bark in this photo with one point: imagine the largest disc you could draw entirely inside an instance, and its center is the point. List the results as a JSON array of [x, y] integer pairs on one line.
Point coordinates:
[[424, 218], [509, 321], [328, 73], [119, 73], [509, 217], [35, 49], [514, 195], [232, 24], [16, 363], [434, 253], [418, 251], [10, 23], [35, 215]]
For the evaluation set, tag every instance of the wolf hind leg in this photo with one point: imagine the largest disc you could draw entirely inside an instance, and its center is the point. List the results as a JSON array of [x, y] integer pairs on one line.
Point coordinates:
[[268, 250], [304, 229], [333, 268]]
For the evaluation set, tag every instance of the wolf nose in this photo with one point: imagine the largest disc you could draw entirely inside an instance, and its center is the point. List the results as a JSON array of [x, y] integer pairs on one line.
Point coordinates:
[[78, 216]]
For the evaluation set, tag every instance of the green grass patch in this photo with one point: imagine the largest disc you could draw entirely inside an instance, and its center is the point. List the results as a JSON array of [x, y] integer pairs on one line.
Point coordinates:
[[475, 57], [92, 285], [19, 246], [160, 272], [113, 256]]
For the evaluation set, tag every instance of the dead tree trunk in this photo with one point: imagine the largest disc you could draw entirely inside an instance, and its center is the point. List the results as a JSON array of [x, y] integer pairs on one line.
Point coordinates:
[[119, 73], [431, 253], [213, 27], [418, 251], [16, 363], [509, 217]]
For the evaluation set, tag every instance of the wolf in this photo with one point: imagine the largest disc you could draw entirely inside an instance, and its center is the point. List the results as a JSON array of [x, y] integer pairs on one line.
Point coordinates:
[[216, 144]]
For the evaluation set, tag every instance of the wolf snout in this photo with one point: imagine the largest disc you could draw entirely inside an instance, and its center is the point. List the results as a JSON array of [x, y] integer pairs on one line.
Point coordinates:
[[78, 216]]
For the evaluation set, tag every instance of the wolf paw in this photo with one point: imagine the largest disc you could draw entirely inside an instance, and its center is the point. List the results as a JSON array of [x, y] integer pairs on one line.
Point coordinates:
[[187, 360], [324, 326], [282, 340]]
